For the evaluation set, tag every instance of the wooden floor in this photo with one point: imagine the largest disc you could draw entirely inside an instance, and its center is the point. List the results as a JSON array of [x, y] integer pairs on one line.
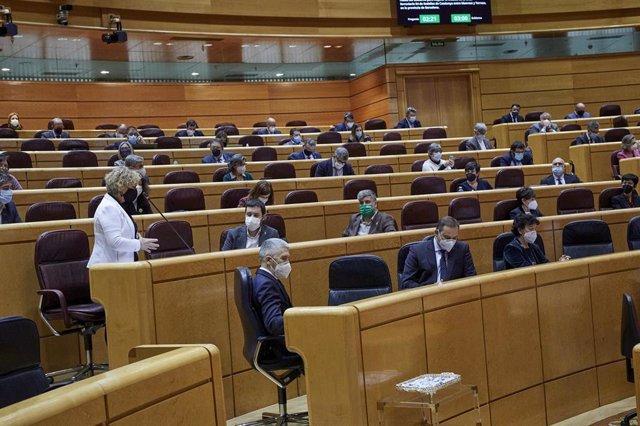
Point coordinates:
[[294, 405]]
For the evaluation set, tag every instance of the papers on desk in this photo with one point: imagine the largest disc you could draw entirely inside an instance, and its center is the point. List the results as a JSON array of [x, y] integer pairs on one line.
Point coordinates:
[[429, 383]]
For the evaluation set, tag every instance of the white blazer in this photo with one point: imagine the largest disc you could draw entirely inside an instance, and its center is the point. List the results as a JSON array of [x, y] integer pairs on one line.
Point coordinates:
[[115, 238]]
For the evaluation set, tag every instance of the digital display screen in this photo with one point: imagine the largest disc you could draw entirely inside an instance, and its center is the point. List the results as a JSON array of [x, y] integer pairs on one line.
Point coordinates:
[[434, 12]]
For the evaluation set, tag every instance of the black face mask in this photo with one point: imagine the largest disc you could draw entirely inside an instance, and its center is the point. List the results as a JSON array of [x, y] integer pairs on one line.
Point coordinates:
[[627, 189], [216, 152], [580, 113], [471, 177], [130, 196], [307, 152], [57, 130]]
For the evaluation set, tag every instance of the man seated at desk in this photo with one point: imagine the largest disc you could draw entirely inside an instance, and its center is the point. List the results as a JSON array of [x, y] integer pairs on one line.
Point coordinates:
[[558, 175], [369, 220], [254, 232]]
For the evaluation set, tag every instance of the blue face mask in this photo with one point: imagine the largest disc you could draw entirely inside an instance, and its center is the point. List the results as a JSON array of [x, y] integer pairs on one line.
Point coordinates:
[[133, 139], [358, 134], [518, 156], [6, 195], [125, 153], [297, 139]]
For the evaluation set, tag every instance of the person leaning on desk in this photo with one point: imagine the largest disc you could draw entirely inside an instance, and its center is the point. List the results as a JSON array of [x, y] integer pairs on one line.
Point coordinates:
[[522, 250]]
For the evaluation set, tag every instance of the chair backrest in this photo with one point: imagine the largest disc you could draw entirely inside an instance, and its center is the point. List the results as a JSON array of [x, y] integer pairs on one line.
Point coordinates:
[[223, 238], [495, 162], [584, 238], [509, 178], [19, 160], [615, 164], [312, 169], [112, 160], [629, 333], [170, 245], [422, 148], [184, 199], [80, 159], [428, 185], [393, 149], [604, 199], [231, 197], [300, 196], [526, 136], [570, 127], [106, 126], [93, 205], [575, 200], [6, 133], [465, 210], [352, 187], [633, 233], [260, 124], [356, 149], [276, 221], [503, 208], [205, 143], [434, 133], [616, 134], [309, 130], [462, 146], [181, 176], [264, 153], [218, 175], [499, 244], [419, 214], [460, 162], [296, 123], [620, 121], [21, 376], [392, 136], [279, 170], [417, 165], [73, 145], [63, 183], [37, 145], [375, 124], [377, 169], [224, 124], [229, 130], [453, 186], [403, 253], [357, 277], [168, 142], [251, 140], [148, 126], [609, 110], [151, 132], [160, 159], [533, 116], [50, 210], [249, 312], [329, 137]]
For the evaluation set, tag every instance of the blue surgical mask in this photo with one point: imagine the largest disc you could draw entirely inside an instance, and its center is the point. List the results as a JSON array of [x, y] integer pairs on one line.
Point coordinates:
[[6, 195], [358, 134], [558, 171], [518, 156], [133, 139], [125, 153], [297, 139]]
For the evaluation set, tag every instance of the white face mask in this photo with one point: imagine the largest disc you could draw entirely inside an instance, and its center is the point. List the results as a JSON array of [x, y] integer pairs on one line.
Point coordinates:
[[15, 122], [546, 123], [264, 200], [349, 125], [530, 236], [412, 119], [533, 204], [272, 129], [190, 132], [253, 223], [241, 169], [437, 156], [358, 134], [282, 270], [447, 244], [338, 165]]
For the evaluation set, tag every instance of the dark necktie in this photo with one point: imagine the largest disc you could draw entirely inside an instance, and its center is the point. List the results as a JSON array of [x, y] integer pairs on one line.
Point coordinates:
[[558, 181], [442, 268]]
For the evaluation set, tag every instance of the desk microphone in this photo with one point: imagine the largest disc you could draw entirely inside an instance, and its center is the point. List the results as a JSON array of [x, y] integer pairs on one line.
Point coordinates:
[[175, 231]]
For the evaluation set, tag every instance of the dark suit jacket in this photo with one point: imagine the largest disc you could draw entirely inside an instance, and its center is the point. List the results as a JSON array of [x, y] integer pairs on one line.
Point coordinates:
[[537, 128], [421, 268], [551, 180], [183, 133], [341, 128], [299, 155], [518, 211], [208, 159], [620, 201], [406, 124], [483, 184], [272, 298], [515, 256], [381, 222], [507, 118], [473, 144], [50, 134], [325, 168], [265, 131], [237, 237], [10, 214], [584, 140], [507, 159]]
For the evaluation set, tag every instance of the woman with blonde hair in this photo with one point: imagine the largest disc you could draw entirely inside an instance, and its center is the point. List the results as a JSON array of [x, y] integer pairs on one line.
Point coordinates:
[[13, 121]]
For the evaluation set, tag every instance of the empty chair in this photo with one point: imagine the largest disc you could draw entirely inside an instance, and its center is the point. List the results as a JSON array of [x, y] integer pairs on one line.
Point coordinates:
[[93, 205], [428, 185], [231, 197], [620, 121], [168, 142], [309, 130], [584, 238], [169, 243], [218, 175], [615, 135], [377, 169], [296, 123], [356, 149], [63, 183], [19, 160], [181, 176], [160, 159], [264, 153], [276, 221], [352, 187], [422, 148], [604, 199], [392, 136], [509, 178], [434, 133], [495, 162], [151, 132], [184, 199], [465, 210], [417, 165], [502, 209], [393, 149], [148, 126], [280, 171], [375, 124], [357, 277], [575, 200], [633, 233], [50, 210], [570, 127], [609, 110], [6, 133], [73, 145], [300, 196], [251, 140], [460, 162], [80, 159], [403, 253], [37, 145], [453, 186], [329, 137], [106, 126], [419, 214], [533, 116]]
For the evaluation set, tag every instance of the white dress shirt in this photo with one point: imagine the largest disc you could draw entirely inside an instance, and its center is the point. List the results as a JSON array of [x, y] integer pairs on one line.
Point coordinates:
[[252, 242]]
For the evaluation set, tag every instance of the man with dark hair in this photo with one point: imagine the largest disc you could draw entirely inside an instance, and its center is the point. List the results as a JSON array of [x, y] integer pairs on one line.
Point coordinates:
[[527, 204], [253, 233], [438, 258], [473, 182], [190, 131], [517, 156], [346, 125], [308, 152], [513, 116], [410, 120], [591, 135], [295, 137], [629, 197]]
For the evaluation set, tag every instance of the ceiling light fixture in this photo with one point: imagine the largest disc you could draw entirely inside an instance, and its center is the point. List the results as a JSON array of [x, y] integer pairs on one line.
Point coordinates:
[[279, 74], [256, 45], [244, 45], [104, 72], [292, 46], [168, 44], [352, 75], [157, 43], [338, 46], [208, 45], [327, 46], [62, 39], [195, 74], [6, 69]]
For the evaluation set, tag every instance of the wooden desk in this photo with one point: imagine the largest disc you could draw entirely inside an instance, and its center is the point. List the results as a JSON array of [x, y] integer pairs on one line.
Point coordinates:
[[593, 162]]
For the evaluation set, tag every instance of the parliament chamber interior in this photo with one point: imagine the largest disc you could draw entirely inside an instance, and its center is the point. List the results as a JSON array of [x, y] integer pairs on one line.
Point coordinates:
[[387, 212]]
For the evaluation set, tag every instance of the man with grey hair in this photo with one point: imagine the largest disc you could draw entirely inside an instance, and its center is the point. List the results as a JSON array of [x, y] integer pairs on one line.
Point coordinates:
[[544, 125], [369, 220], [591, 136], [336, 165], [435, 162], [57, 130], [268, 291], [478, 142], [410, 120], [8, 211]]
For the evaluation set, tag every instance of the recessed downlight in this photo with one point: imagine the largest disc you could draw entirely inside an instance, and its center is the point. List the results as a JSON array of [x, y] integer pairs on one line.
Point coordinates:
[[279, 74], [168, 44], [208, 44], [195, 74], [327, 46], [157, 43], [5, 69], [104, 72], [352, 75]]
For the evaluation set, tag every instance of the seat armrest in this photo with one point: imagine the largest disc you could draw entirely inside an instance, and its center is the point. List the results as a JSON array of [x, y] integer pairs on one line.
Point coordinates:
[[63, 304]]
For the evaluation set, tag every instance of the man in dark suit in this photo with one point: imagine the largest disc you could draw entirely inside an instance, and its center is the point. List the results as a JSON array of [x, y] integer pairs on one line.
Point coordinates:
[[517, 156], [558, 177], [513, 116], [8, 211], [410, 120], [308, 152], [544, 125], [479, 141], [346, 125], [57, 131], [591, 136], [217, 153], [191, 130], [439, 258], [629, 197], [269, 293], [336, 165], [253, 233], [270, 129], [369, 220]]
